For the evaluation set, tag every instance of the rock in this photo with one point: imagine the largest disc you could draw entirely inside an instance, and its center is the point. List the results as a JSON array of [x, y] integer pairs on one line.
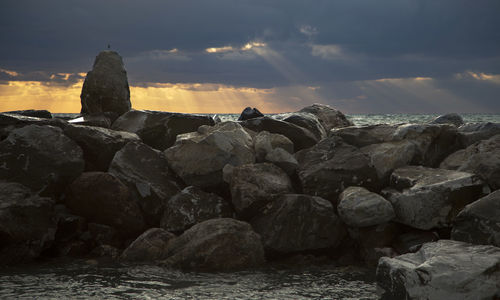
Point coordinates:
[[265, 142], [283, 159], [377, 236], [301, 138], [105, 251], [105, 88], [69, 226], [98, 120], [216, 245], [253, 185], [192, 206], [479, 222], [442, 270], [27, 224], [326, 169], [452, 118], [160, 129], [304, 120], [9, 122], [103, 198], [149, 246], [40, 157], [99, 145], [475, 132], [43, 114], [293, 223], [359, 207], [427, 198], [361, 136], [481, 158], [329, 117], [250, 113], [411, 241], [198, 158], [145, 171]]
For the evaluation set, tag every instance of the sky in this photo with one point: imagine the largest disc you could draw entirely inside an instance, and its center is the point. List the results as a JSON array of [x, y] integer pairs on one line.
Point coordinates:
[[219, 56]]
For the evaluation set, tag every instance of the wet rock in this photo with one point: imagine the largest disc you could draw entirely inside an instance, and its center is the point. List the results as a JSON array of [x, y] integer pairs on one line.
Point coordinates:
[[40, 157], [475, 132], [149, 246], [442, 270], [452, 118], [428, 198], [481, 158], [103, 198], [105, 251], [145, 172], [192, 206], [43, 114], [99, 145], [198, 158], [304, 120], [328, 116], [250, 113], [479, 222], [359, 207], [265, 142], [216, 245], [69, 226], [301, 137], [293, 223], [253, 185], [100, 234], [411, 241], [361, 136], [106, 88], [283, 159], [329, 167], [27, 225]]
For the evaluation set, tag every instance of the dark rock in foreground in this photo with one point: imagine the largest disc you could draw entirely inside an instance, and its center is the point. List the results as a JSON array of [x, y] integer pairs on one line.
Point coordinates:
[[304, 120], [442, 270], [149, 246], [250, 113]]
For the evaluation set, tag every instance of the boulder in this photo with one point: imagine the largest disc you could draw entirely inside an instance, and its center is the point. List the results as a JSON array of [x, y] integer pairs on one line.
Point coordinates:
[[40, 157], [301, 137], [216, 245], [283, 159], [105, 88], [304, 120], [9, 122], [27, 225], [479, 222], [453, 118], [99, 145], [105, 251], [481, 158], [328, 116], [100, 234], [250, 113], [294, 223], [359, 207], [192, 206], [265, 142], [426, 198], [361, 136], [375, 241], [198, 158], [103, 198], [253, 185], [103, 120], [145, 172], [160, 129], [43, 114], [442, 270], [149, 246], [329, 167], [475, 132], [412, 240]]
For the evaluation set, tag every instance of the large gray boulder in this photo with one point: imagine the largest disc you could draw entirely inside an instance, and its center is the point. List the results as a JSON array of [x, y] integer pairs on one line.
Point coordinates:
[[265, 142], [328, 116], [253, 185], [198, 158], [27, 225], [305, 120], [216, 245], [481, 158], [145, 172], [361, 136], [102, 198], [105, 88], [192, 206], [442, 270], [294, 223], [99, 145], [475, 132], [40, 157], [159, 129], [426, 198], [283, 159], [452, 118], [149, 246], [359, 207], [479, 222], [329, 167]]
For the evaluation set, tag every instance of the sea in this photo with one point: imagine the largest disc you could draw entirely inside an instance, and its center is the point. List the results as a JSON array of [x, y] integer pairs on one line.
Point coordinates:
[[90, 279]]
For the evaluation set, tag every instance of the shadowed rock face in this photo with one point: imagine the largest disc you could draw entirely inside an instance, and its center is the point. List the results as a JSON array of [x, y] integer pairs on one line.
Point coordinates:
[[328, 116], [106, 87], [149, 246]]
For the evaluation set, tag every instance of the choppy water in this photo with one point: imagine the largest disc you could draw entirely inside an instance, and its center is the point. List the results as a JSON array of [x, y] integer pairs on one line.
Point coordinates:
[[81, 280]]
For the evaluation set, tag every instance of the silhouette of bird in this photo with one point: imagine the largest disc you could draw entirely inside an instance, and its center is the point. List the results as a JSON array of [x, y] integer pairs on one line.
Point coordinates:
[[109, 46]]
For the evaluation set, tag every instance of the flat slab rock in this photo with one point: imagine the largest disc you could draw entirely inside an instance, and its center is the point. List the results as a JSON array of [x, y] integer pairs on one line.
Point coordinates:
[[442, 270]]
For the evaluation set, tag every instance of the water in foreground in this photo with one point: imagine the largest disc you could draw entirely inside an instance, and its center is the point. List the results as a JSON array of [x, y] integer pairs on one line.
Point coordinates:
[[80, 279]]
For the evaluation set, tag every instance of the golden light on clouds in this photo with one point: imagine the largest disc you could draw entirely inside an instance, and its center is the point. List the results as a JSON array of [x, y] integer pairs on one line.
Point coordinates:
[[219, 49]]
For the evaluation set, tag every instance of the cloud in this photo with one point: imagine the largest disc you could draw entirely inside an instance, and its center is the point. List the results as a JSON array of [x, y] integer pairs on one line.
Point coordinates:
[[327, 51]]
